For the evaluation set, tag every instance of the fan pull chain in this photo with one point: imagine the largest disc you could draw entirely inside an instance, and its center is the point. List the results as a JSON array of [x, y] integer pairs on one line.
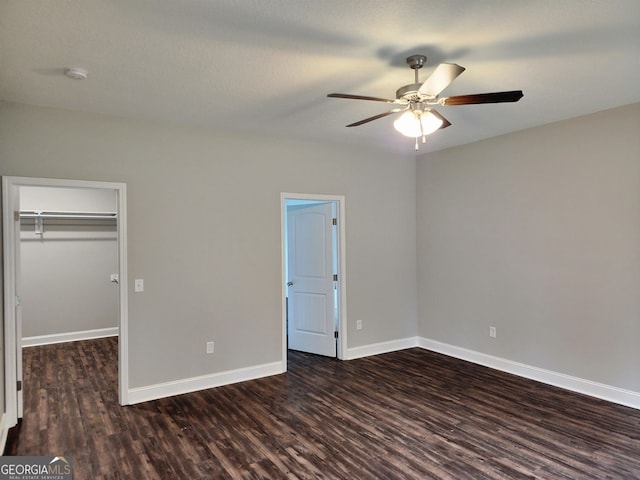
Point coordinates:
[[424, 138]]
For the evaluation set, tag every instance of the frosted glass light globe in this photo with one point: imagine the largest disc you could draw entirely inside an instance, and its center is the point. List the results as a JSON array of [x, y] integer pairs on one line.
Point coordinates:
[[408, 123]]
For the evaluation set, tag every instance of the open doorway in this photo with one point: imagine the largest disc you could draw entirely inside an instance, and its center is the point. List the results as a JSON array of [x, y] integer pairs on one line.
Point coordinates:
[[68, 264], [20, 214], [313, 272]]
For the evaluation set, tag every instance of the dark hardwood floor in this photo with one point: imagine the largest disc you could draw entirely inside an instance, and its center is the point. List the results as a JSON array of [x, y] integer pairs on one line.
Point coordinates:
[[404, 415]]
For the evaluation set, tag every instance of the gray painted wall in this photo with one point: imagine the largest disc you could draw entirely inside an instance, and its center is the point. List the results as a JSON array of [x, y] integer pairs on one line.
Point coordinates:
[[538, 234], [67, 199], [66, 284], [204, 231]]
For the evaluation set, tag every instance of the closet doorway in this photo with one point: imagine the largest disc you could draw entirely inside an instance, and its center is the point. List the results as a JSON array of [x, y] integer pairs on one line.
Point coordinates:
[[65, 270]]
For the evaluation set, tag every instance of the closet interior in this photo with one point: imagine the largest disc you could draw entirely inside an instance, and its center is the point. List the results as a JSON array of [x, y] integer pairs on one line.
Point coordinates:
[[68, 264]]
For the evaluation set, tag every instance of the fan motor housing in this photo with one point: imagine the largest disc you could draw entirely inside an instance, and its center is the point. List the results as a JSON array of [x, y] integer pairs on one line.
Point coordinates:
[[408, 92]]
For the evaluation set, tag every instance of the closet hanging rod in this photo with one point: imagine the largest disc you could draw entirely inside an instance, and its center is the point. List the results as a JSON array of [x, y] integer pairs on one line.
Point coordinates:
[[68, 215]]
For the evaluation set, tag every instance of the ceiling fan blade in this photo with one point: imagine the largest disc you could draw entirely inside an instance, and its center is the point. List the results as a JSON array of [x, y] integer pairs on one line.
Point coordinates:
[[445, 123], [440, 79], [496, 97], [359, 97], [370, 119]]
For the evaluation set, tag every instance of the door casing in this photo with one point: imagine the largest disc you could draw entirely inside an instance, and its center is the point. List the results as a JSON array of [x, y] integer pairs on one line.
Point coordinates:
[[341, 253], [12, 328]]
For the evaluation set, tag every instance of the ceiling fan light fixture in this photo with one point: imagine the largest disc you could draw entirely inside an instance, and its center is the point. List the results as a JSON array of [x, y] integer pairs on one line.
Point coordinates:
[[415, 123], [418, 120]]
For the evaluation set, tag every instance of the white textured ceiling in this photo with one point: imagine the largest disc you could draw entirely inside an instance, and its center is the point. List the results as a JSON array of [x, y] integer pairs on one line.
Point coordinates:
[[264, 67]]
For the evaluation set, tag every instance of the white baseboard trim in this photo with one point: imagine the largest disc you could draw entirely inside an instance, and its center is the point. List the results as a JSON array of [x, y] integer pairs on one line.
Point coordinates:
[[605, 392], [598, 390], [193, 384], [383, 347], [69, 337]]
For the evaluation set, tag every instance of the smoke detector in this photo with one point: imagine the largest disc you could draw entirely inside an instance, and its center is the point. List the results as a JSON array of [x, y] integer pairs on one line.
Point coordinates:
[[76, 73]]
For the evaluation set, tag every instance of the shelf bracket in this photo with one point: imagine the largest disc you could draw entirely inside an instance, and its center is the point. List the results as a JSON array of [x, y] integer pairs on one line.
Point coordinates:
[[39, 224]]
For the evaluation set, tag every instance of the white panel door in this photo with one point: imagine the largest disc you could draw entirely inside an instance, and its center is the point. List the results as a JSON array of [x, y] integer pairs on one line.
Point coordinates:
[[310, 279]]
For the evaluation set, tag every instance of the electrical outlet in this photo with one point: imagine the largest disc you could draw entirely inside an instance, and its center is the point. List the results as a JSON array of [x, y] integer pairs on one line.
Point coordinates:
[[492, 332], [139, 285], [358, 324], [209, 347]]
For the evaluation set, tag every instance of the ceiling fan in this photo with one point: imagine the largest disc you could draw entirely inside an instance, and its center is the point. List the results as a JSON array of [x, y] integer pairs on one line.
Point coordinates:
[[416, 100]]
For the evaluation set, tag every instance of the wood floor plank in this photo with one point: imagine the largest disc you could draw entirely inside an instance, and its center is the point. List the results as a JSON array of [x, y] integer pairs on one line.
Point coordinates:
[[412, 414]]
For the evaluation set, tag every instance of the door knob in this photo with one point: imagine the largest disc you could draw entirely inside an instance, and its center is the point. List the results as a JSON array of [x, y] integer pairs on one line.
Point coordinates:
[[289, 284]]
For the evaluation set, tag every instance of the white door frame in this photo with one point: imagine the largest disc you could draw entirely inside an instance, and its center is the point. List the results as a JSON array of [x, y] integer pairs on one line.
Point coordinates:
[[10, 247], [342, 269]]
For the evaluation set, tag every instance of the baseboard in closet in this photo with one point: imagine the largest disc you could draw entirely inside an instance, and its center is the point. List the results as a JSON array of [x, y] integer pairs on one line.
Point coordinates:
[[69, 337]]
